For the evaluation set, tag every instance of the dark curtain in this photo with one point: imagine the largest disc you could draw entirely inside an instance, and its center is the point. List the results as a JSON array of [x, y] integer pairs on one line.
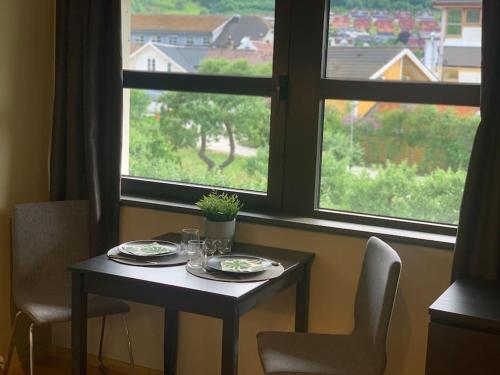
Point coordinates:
[[87, 127], [477, 251]]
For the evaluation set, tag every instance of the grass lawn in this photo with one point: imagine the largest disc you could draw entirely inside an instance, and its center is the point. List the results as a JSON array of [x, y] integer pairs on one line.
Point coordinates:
[[192, 169]]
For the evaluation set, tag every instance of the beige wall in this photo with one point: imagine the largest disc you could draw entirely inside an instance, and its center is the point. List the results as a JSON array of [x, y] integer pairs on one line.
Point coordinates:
[[26, 86], [334, 278]]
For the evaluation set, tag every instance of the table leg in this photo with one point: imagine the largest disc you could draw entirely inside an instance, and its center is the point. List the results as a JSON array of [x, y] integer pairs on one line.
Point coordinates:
[[230, 337], [302, 301], [170, 341], [78, 326]]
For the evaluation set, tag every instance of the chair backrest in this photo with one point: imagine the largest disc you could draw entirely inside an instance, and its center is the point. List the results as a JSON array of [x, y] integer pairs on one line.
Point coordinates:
[[46, 238], [375, 297]]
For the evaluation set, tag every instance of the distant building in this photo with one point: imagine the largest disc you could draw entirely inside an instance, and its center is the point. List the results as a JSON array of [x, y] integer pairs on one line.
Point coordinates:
[[384, 26], [460, 47], [239, 27], [182, 30], [362, 23], [374, 63], [340, 21], [159, 57]]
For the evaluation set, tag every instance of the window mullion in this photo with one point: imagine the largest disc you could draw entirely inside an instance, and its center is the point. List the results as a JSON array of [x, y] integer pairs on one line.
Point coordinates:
[[302, 137]]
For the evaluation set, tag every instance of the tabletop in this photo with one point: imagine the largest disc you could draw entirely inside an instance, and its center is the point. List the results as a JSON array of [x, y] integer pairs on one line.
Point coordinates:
[[471, 302], [176, 276]]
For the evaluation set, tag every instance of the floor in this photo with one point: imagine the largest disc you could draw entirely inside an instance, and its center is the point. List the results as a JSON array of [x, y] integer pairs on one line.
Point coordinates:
[[56, 366]]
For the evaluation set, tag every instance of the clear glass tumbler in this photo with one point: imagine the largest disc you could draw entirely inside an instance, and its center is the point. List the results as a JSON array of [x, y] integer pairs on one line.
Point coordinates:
[[195, 253], [188, 234]]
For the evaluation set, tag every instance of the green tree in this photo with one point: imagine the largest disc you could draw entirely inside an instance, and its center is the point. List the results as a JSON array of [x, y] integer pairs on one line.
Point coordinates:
[[192, 119]]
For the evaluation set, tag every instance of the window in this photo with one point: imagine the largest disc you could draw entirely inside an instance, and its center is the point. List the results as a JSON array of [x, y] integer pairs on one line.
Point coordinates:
[[473, 16], [368, 126], [157, 39], [454, 26], [151, 65], [212, 123]]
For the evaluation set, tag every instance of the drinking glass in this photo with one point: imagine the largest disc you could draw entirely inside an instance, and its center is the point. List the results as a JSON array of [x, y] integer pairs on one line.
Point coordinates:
[[188, 234], [195, 253]]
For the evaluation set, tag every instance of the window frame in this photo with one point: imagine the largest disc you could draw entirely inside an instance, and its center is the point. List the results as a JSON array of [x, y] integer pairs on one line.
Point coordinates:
[[466, 17], [299, 63], [454, 24], [274, 87]]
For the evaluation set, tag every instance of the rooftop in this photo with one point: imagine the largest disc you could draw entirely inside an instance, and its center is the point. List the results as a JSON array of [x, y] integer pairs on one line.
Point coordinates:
[[457, 2], [358, 62], [253, 27], [177, 23]]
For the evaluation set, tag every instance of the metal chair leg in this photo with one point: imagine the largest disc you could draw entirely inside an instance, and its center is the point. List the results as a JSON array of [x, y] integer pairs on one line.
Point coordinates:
[[131, 356], [11, 344], [32, 359], [101, 365]]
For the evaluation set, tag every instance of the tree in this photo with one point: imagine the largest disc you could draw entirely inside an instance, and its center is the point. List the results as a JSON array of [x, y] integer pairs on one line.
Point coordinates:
[[192, 119]]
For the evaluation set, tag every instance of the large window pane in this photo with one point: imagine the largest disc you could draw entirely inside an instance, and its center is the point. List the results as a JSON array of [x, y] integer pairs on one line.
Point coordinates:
[[398, 160], [408, 40], [206, 139], [187, 36]]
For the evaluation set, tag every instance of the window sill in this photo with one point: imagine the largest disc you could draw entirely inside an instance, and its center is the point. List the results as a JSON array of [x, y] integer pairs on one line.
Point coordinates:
[[437, 241]]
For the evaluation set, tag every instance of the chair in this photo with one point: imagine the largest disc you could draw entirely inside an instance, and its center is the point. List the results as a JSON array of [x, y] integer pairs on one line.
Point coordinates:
[[363, 351], [46, 238]]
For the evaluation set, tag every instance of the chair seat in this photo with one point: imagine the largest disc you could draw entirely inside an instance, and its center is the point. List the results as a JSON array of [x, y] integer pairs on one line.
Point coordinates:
[[53, 304], [285, 353]]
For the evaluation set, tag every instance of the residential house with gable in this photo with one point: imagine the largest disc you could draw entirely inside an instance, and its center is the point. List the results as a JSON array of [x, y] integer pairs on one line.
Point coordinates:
[[460, 47], [173, 29], [160, 57], [393, 63], [249, 27]]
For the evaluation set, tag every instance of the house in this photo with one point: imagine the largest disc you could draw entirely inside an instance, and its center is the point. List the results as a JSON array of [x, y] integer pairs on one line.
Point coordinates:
[[362, 23], [184, 30], [166, 58], [405, 23], [460, 48], [239, 27], [384, 26], [374, 63], [340, 21]]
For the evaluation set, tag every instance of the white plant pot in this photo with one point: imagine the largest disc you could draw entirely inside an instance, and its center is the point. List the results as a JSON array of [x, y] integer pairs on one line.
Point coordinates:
[[220, 229], [219, 235]]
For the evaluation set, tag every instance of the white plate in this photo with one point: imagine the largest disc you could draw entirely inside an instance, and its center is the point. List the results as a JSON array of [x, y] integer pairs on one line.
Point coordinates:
[[148, 248]]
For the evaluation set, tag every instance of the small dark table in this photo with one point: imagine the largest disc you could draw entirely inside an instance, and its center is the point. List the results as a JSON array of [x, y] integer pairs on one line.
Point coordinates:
[[464, 332], [176, 290]]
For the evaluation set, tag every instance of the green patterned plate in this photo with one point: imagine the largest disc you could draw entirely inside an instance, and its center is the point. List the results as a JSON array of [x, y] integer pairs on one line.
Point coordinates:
[[148, 248], [240, 264]]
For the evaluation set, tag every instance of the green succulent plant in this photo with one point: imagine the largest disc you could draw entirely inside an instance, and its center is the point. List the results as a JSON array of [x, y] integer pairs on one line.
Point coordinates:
[[219, 207]]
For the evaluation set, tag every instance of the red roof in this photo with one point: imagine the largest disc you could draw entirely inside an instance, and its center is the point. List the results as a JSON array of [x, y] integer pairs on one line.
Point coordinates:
[[384, 26], [340, 21], [362, 24], [406, 23]]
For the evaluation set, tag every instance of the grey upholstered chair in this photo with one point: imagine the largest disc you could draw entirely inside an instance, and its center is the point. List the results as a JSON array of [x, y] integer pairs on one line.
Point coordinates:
[[362, 352], [46, 238]]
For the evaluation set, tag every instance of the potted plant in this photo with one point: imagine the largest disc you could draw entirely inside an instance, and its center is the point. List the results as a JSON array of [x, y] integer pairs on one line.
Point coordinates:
[[219, 210]]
